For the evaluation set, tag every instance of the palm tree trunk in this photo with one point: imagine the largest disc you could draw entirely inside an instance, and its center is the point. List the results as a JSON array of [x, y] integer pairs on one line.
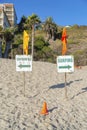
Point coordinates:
[[52, 34], [32, 42], [7, 50]]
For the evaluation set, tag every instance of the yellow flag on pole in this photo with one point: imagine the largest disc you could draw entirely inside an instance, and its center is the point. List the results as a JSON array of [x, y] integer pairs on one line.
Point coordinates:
[[25, 42]]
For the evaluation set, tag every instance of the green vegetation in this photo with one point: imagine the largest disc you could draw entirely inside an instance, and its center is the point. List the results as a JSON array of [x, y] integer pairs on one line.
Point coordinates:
[[47, 40], [42, 50]]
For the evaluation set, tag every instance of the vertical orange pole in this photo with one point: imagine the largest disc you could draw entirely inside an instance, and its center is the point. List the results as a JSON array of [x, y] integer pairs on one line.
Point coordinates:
[[64, 50]]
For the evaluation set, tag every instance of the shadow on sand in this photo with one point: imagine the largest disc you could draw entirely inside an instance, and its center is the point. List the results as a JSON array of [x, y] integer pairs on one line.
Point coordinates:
[[62, 85], [50, 110], [85, 90]]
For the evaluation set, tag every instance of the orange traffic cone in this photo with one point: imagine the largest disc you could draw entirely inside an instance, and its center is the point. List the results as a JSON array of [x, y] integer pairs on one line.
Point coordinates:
[[44, 110]]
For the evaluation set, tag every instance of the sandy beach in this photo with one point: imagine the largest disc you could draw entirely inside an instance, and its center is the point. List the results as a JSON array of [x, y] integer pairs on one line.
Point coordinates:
[[43, 84]]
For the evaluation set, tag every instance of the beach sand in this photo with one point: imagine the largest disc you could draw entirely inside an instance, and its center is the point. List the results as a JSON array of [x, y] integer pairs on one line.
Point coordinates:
[[43, 84]]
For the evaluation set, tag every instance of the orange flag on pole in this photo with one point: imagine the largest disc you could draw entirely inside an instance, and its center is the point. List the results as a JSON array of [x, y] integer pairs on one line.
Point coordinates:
[[64, 41], [25, 42]]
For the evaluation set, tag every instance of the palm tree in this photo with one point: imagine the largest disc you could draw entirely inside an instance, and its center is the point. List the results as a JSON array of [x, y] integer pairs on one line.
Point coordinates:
[[8, 37], [50, 28], [53, 30], [31, 22], [47, 25], [21, 25]]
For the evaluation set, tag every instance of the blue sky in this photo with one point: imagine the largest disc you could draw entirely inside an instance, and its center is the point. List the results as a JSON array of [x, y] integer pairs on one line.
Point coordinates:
[[63, 12]]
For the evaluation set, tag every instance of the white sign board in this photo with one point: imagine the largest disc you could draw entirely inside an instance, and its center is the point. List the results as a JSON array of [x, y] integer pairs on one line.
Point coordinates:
[[23, 63], [65, 63]]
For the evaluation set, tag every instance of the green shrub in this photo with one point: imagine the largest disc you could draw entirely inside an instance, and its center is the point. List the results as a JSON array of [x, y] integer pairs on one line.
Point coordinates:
[[42, 50], [39, 44]]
